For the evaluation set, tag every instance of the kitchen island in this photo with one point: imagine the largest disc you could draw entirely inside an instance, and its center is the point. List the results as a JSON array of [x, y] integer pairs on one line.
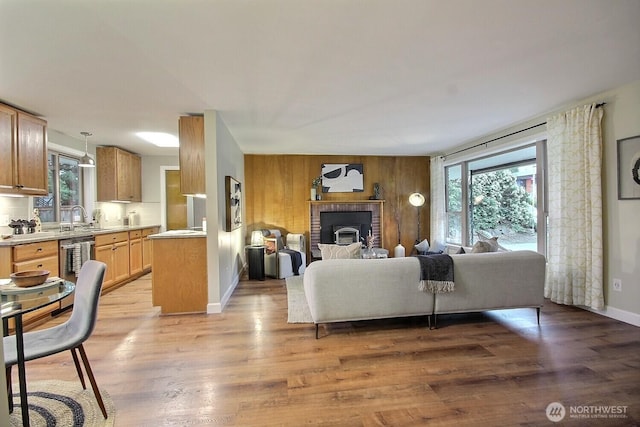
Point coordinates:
[[179, 277]]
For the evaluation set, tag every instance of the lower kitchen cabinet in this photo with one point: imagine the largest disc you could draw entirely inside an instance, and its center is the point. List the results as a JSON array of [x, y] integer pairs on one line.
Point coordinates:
[[113, 250], [147, 248], [36, 256], [135, 253]]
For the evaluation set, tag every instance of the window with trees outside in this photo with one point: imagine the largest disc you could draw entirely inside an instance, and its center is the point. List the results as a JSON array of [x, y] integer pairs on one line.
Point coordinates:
[[499, 195], [65, 188]]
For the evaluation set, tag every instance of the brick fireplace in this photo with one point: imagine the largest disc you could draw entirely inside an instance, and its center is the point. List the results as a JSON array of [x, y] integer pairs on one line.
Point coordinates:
[[317, 207]]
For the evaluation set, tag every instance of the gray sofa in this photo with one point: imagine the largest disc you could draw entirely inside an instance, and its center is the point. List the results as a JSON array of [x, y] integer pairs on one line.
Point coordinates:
[[339, 290]]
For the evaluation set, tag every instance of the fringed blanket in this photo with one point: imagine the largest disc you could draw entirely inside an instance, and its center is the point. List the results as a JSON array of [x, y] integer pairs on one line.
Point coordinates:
[[296, 260], [436, 273]]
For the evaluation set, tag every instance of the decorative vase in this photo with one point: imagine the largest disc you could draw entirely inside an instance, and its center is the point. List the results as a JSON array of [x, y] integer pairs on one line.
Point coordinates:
[[313, 193], [398, 251]]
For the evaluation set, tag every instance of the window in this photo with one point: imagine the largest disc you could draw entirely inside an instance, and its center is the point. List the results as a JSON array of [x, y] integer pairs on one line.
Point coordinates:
[[498, 195], [65, 188], [453, 180]]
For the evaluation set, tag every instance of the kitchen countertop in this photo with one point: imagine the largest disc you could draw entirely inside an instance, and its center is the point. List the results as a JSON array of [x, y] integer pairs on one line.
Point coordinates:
[[178, 234], [19, 239]]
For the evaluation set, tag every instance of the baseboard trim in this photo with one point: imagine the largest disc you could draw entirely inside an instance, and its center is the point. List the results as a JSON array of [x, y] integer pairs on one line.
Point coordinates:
[[214, 308], [217, 307], [618, 314]]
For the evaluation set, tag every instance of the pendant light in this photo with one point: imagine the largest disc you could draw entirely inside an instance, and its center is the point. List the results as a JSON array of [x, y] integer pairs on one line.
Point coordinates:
[[86, 161]]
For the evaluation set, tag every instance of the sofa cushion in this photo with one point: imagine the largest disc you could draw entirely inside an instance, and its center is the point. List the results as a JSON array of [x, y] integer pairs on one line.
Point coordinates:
[[329, 251]]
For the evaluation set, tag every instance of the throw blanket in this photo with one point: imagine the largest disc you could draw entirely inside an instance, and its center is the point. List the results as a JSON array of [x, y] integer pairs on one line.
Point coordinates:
[[296, 260], [436, 273]]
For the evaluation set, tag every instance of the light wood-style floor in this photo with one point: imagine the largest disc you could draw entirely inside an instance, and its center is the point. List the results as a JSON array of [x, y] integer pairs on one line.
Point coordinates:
[[249, 367]]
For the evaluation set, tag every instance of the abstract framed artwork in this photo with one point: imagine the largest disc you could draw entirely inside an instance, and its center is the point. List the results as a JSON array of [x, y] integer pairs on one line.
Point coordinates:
[[629, 168], [342, 178], [233, 193]]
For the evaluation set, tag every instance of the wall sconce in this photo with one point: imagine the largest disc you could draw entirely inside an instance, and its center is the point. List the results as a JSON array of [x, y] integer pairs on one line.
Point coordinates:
[[257, 238], [417, 200]]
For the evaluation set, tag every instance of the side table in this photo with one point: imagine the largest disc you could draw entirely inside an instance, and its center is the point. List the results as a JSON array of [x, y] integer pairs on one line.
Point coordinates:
[[255, 258]]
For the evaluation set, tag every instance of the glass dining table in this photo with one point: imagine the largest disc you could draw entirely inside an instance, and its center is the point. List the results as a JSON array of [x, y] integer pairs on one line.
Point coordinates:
[[14, 303]]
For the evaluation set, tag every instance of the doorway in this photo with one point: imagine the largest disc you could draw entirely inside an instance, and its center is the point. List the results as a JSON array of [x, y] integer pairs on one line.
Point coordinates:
[[176, 207]]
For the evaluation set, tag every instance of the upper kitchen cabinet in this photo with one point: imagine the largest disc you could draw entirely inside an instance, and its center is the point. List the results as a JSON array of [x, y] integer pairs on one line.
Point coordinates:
[[23, 152], [118, 174], [192, 179]]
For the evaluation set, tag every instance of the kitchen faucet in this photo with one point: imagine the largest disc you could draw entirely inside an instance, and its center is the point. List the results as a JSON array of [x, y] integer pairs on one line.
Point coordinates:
[[84, 214]]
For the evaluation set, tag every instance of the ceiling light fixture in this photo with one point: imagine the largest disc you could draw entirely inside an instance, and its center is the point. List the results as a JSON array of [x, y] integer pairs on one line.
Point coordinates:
[[86, 161], [160, 139]]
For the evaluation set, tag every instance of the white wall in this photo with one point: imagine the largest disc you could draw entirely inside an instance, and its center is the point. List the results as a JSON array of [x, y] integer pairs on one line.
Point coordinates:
[[230, 161], [225, 250], [621, 225]]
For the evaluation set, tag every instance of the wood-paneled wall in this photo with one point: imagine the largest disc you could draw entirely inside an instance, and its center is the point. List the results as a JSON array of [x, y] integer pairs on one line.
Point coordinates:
[[277, 190]]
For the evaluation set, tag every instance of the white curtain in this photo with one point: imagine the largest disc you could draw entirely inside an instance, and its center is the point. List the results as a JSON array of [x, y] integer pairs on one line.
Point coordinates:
[[438, 214], [575, 266]]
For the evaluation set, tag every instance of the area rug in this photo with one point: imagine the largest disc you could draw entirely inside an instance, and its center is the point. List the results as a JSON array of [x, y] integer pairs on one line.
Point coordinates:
[[298, 309], [62, 403]]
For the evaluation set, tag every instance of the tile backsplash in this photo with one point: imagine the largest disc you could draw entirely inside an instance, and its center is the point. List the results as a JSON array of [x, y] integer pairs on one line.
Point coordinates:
[[12, 208], [113, 214]]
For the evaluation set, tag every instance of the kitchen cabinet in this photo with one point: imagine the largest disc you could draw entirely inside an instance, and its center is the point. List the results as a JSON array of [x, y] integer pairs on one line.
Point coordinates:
[[118, 175], [37, 256], [191, 154], [113, 250], [147, 248], [23, 153], [135, 253]]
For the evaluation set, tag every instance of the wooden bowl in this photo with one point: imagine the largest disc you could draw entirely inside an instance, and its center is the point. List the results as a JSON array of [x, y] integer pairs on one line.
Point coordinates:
[[26, 279]]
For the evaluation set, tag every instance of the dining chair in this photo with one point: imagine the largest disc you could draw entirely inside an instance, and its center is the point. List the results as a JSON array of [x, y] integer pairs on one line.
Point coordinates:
[[69, 335]]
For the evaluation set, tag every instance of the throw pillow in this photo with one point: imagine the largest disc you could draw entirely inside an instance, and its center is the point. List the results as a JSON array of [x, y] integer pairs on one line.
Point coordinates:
[[340, 251], [480, 247], [493, 243], [270, 244], [438, 247], [422, 246], [461, 251], [486, 245]]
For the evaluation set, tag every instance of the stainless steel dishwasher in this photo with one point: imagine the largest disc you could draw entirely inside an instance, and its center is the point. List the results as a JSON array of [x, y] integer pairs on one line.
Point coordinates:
[[72, 253]]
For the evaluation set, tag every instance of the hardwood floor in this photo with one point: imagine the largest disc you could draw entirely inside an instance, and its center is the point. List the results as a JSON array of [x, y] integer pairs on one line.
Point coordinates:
[[249, 367]]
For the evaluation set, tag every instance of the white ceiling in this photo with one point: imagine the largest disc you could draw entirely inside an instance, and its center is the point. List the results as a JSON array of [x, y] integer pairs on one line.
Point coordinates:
[[379, 77]]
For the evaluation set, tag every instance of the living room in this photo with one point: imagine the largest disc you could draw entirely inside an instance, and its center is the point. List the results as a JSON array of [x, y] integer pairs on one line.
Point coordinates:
[[290, 176]]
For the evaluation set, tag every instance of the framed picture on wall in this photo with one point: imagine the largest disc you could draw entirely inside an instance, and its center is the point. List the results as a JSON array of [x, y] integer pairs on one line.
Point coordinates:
[[233, 193], [342, 178], [628, 168]]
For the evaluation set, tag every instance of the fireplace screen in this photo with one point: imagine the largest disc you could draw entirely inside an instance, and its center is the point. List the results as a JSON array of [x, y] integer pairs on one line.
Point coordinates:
[[345, 235], [330, 222]]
